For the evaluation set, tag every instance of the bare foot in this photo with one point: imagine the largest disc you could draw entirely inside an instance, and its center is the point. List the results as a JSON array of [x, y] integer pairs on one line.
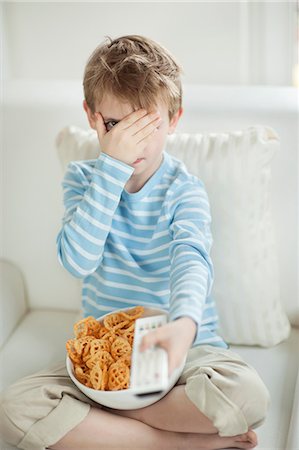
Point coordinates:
[[249, 438], [214, 441]]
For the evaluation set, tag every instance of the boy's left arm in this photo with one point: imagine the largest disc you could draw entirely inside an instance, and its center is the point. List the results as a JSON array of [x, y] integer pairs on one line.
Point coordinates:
[[191, 273]]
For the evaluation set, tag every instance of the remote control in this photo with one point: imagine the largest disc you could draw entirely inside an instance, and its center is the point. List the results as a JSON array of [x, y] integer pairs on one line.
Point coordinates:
[[149, 369]]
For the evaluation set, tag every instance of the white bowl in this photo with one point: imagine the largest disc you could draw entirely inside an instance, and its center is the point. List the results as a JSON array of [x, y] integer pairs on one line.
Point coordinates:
[[126, 398]]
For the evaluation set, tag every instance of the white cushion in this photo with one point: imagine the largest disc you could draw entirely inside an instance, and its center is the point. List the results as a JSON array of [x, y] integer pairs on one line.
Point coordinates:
[[236, 169]]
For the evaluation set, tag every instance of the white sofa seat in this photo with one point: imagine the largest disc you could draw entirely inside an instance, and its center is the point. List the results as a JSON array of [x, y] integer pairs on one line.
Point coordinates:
[[41, 333], [38, 340], [278, 367]]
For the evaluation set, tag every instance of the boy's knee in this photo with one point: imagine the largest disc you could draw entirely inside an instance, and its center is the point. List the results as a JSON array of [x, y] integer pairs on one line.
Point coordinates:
[[255, 400]]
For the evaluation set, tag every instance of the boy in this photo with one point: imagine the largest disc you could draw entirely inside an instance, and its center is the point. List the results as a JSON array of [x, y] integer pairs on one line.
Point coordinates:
[[136, 229]]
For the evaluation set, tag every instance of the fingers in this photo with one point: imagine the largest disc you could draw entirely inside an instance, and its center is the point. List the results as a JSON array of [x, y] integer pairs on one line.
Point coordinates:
[[144, 121], [157, 338], [148, 131], [131, 118], [140, 124]]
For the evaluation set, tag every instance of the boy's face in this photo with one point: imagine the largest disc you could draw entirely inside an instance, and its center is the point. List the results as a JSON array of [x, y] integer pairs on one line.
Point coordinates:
[[112, 110]]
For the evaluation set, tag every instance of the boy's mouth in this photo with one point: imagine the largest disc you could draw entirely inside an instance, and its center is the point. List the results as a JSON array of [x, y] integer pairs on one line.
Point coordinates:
[[138, 161]]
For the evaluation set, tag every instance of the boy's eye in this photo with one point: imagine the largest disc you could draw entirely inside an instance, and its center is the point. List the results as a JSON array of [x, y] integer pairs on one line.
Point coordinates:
[[110, 124]]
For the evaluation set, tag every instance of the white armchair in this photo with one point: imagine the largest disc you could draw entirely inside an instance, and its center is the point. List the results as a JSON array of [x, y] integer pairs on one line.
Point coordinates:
[[39, 301]]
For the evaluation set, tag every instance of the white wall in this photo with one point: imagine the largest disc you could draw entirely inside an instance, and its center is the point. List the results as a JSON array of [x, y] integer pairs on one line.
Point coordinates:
[[230, 42], [1, 131]]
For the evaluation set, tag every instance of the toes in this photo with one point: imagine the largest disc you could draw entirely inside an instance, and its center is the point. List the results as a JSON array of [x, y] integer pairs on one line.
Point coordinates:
[[250, 437]]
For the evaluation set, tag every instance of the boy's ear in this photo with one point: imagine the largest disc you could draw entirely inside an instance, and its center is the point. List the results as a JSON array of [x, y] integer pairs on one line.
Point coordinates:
[[89, 114], [174, 121]]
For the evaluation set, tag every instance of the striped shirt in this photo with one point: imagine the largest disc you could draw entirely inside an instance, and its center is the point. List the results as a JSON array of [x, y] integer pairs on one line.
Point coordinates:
[[149, 248]]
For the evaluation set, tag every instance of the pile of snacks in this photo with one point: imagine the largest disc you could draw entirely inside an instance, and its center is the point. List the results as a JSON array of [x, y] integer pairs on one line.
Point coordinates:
[[101, 352]]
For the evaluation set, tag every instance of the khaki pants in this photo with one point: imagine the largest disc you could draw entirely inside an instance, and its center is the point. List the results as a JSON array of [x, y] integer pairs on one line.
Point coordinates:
[[37, 411]]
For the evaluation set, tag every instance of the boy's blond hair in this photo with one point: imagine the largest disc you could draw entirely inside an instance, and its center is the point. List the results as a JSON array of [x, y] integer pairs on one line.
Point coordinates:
[[136, 70]]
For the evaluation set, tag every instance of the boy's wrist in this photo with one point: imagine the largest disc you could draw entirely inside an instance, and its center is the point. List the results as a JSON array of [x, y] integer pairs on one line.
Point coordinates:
[[189, 323], [120, 164]]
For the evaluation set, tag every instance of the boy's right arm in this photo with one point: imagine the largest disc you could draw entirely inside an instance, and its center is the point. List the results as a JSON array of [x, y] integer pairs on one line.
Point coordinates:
[[92, 194]]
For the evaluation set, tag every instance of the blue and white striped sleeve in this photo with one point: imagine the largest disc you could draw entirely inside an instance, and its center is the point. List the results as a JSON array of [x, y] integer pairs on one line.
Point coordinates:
[[91, 196], [191, 271]]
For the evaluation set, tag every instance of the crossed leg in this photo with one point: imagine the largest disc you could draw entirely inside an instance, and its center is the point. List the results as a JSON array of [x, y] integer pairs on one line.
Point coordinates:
[[174, 412], [101, 430]]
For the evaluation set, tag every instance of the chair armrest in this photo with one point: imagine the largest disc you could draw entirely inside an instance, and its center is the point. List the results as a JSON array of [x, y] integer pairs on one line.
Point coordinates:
[[13, 304]]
